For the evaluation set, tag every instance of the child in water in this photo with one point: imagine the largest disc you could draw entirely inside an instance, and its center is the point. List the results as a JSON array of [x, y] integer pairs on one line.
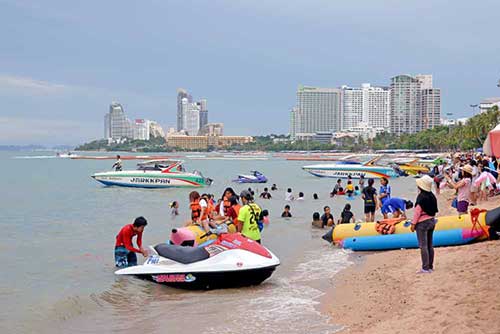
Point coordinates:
[[286, 213], [174, 206], [357, 192], [349, 189], [263, 219], [346, 216]]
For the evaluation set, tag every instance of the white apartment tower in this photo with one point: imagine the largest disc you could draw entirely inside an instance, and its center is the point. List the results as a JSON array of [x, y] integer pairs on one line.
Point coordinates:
[[190, 117], [368, 105], [317, 110], [116, 124], [430, 108], [405, 105]]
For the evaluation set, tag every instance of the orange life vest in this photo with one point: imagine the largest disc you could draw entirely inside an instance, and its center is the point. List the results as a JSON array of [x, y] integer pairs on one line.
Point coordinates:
[[236, 209], [210, 209], [195, 209], [387, 226]]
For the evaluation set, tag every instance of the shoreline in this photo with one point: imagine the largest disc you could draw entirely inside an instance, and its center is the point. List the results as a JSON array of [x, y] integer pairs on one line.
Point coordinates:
[[381, 292]]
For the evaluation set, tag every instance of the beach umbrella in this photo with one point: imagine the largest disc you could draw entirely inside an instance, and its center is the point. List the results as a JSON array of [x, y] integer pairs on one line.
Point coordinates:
[[491, 145]]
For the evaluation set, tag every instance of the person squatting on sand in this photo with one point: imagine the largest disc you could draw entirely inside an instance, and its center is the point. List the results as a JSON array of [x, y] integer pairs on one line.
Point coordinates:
[[424, 222]]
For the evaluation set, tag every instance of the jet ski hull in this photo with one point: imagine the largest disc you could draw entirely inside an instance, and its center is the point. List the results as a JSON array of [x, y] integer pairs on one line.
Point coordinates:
[[212, 280]]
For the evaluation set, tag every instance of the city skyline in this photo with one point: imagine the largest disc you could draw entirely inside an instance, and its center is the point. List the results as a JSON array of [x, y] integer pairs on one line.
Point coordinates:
[[61, 64]]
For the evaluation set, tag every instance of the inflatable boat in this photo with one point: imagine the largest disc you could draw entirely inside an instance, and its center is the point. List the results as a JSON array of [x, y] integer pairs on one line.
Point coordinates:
[[450, 230]]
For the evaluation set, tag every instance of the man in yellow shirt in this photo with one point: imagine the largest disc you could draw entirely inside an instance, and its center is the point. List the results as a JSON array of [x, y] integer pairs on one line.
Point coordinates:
[[248, 217]]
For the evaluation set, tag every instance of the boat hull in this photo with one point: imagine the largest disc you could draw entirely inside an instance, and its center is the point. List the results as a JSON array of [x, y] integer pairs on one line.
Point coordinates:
[[212, 280], [354, 171], [150, 180]]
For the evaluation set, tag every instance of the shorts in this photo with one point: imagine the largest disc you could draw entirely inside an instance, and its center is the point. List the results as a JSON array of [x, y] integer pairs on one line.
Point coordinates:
[[369, 209], [124, 258], [462, 206]]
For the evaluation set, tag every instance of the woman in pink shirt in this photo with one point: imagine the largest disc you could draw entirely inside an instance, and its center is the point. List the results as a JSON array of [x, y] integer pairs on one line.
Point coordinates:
[[423, 222], [463, 188]]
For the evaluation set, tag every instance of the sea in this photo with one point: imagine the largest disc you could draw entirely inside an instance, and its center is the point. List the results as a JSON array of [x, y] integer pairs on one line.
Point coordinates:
[[58, 229]]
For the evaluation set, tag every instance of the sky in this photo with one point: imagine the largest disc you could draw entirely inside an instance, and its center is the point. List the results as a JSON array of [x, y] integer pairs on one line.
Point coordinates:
[[63, 62]]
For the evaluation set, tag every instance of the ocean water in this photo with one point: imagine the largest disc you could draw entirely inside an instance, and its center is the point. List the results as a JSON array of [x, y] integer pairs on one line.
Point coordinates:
[[58, 229]]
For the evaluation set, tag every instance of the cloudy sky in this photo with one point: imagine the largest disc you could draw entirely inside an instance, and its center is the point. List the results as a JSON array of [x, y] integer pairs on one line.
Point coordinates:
[[63, 62]]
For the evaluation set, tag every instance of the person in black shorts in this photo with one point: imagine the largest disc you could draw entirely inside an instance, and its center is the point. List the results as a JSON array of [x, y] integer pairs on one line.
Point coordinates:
[[369, 196]]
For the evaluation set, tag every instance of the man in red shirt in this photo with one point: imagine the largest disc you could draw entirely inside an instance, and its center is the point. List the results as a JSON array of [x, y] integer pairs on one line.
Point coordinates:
[[124, 250]]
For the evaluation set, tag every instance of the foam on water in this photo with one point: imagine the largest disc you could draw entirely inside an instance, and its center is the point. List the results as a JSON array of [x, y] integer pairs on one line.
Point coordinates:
[[36, 157], [289, 305]]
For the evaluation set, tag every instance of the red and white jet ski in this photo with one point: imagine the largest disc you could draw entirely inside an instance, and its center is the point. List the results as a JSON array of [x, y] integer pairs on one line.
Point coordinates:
[[231, 261]]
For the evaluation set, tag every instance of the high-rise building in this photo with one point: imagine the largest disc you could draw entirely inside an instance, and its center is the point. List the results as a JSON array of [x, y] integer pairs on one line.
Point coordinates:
[[141, 129], [203, 112], [155, 129], [116, 125], [189, 112], [318, 110], [212, 129], [370, 105], [405, 105], [181, 94], [430, 108], [190, 117]]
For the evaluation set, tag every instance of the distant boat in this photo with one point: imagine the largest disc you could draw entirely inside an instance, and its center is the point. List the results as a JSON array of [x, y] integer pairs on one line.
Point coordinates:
[[344, 169], [154, 174], [255, 177]]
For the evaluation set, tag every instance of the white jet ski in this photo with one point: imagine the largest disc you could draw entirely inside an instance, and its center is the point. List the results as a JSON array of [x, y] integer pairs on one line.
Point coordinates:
[[231, 261]]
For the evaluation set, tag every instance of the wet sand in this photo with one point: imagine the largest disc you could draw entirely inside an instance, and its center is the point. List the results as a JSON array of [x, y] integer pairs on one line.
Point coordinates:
[[385, 295]]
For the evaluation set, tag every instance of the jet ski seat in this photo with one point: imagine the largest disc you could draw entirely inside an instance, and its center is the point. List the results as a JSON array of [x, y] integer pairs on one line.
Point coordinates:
[[182, 254]]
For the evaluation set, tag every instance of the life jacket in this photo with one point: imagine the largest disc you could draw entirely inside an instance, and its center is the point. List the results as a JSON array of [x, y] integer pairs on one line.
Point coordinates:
[[227, 205], [195, 209], [387, 226], [236, 209], [210, 209]]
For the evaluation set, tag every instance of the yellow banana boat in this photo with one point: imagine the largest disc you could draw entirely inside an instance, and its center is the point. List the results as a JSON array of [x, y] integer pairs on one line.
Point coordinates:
[[343, 231]]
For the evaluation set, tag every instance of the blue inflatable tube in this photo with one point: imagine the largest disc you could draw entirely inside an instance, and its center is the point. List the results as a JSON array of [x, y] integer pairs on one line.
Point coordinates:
[[409, 240]]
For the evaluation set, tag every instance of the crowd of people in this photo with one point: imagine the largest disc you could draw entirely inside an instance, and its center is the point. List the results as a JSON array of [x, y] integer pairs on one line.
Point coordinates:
[[473, 177]]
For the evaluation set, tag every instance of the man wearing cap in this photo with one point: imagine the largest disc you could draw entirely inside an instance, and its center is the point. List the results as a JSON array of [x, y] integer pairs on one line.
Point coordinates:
[[248, 217], [124, 249]]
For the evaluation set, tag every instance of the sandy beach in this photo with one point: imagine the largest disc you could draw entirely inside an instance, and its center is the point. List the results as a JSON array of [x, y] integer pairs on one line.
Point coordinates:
[[385, 295]]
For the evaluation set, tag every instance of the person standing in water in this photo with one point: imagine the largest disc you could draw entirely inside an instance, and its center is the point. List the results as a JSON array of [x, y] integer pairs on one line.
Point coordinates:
[[369, 195], [385, 191], [424, 222], [124, 249], [248, 217], [174, 206]]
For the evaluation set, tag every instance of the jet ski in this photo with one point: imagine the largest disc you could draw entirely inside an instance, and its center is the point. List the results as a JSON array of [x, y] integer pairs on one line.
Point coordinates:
[[231, 261], [255, 177]]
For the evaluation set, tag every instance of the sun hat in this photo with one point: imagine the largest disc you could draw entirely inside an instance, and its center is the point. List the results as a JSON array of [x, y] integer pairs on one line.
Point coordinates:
[[468, 168], [425, 183]]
